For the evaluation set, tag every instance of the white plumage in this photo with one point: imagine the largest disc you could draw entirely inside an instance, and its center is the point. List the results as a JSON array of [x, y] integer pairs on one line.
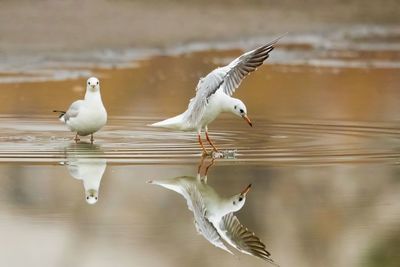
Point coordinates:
[[214, 215], [86, 116], [214, 95], [84, 163]]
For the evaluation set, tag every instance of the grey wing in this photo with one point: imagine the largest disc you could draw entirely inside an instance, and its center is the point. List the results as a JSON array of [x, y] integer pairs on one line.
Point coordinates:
[[73, 110], [242, 66], [203, 225], [74, 169], [228, 78], [242, 239], [206, 87]]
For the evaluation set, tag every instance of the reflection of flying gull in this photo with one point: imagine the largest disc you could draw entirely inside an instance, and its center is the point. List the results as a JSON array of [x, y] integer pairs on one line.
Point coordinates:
[[213, 215], [213, 95], [82, 165], [86, 116]]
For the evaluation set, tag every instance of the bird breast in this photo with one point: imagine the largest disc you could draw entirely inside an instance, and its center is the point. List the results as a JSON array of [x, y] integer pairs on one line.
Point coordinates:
[[89, 120], [213, 109]]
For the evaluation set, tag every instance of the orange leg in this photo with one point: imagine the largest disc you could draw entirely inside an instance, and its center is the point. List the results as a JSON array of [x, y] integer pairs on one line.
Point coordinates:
[[212, 163], [203, 178], [211, 143], [201, 144], [200, 165], [77, 138]]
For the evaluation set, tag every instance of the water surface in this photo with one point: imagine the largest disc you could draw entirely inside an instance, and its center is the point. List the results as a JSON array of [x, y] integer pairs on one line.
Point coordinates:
[[323, 159]]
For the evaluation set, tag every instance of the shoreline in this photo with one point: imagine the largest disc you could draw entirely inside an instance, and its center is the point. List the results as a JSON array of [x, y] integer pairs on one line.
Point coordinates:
[[72, 34], [294, 49]]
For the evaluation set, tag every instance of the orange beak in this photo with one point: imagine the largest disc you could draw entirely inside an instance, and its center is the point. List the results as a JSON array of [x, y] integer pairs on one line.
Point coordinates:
[[247, 120], [246, 190]]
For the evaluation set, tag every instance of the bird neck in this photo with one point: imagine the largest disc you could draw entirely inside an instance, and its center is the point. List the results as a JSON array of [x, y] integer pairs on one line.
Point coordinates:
[[226, 102], [92, 171], [226, 206], [91, 96]]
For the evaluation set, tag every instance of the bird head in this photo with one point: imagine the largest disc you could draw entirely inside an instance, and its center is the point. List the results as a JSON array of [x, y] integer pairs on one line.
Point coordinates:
[[239, 199], [239, 109], [93, 84], [91, 196]]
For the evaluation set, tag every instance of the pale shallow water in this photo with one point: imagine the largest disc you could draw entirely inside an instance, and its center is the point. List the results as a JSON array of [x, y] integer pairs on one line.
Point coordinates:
[[323, 158], [129, 140]]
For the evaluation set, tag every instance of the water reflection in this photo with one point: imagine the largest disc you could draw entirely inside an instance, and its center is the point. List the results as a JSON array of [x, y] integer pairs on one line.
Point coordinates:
[[83, 163], [214, 214]]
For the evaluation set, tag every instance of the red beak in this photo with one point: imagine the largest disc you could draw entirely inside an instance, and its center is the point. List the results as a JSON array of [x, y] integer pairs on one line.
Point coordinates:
[[247, 120], [246, 190]]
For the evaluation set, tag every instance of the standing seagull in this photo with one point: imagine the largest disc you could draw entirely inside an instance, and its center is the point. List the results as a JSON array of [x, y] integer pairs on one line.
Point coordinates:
[[86, 116], [84, 162], [214, 95], [214, 215]]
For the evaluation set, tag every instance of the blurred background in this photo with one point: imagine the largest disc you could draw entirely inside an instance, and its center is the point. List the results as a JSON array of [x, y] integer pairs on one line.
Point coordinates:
[[323, 156]]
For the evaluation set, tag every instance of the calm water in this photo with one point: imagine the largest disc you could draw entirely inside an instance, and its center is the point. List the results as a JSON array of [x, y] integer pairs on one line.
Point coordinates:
[[323, 159]]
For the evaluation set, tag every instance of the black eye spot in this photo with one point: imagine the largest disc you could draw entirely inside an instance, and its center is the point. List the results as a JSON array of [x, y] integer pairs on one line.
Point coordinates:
[[241, 110], [87, 198], [234, 203], [96, 198], [88, 83], [97, 82], [235, 107], [240, 198]]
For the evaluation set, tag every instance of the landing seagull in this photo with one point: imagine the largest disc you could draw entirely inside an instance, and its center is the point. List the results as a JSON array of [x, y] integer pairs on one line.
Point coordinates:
[[214, 95], [214, 215], [86, 116]]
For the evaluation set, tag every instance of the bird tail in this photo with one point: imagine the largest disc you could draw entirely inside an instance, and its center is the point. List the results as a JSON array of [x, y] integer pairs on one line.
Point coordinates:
[[171, 123], [171, 184], [61, 114]]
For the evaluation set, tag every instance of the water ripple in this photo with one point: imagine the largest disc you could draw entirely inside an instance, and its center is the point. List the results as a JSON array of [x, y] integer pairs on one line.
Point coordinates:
[[128, 140]]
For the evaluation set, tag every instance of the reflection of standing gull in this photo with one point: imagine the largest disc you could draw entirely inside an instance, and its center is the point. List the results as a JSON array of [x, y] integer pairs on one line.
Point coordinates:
[[214, 95], [83, 165], [86, 116], [213, 214]]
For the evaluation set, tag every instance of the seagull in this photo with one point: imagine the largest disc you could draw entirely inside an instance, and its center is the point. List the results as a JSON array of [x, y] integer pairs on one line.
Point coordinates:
[[83, 166], [86, 116], [214, 215], [214, 95]]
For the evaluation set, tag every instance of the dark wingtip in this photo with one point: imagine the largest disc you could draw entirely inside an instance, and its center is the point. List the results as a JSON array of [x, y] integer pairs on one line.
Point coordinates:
[[273, 42], [62, 113], [280, 37]]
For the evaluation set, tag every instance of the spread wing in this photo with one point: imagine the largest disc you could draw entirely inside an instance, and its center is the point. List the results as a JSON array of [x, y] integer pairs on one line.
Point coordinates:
[[206, 87], [227, 78], [203, 225], [238, 69], [242, 239], [73, 110]]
